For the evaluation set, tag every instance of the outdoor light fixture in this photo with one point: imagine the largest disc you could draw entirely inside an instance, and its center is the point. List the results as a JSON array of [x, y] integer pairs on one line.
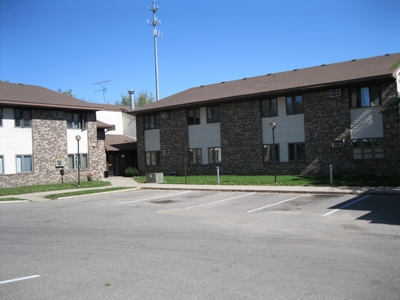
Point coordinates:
[[78, 138], [273, 125]]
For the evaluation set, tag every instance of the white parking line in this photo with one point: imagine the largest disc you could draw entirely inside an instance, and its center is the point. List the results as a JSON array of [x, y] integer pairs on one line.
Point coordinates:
[[220, 201], [351, 203], [154, 198], [19, 279], [250, 211]]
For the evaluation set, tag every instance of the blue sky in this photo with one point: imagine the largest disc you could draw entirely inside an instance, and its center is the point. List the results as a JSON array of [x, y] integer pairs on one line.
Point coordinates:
[[71, 44]]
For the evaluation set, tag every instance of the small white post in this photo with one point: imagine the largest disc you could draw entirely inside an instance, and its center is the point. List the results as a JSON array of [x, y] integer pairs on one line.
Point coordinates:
[[331, 173], [218, 173]]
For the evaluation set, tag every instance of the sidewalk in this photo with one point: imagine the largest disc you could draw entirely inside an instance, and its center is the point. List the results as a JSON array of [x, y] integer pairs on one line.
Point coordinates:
[[130, 183]]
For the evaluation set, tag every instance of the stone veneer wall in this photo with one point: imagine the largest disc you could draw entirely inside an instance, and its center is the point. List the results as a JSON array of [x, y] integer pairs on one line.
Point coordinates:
[[49, 136]]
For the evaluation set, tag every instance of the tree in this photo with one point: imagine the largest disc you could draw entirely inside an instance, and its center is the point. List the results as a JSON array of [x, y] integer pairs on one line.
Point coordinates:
[[66, 92], [393, 106], [141, 99]]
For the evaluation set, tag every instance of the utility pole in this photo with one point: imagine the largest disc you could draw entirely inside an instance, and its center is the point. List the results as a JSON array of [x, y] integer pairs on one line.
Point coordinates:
[[156, 34]]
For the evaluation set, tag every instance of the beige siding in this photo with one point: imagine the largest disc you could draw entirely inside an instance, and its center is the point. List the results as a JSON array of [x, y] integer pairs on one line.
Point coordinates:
[[152, 140], [366, 123]]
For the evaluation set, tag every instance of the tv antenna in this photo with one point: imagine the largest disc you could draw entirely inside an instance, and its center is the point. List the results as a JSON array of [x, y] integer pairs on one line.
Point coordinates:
[[156, 34], [103, 84]]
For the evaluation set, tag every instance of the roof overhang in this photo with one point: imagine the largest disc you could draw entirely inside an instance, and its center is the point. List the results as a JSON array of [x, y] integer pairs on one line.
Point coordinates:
[[274, 93], [50, 106]]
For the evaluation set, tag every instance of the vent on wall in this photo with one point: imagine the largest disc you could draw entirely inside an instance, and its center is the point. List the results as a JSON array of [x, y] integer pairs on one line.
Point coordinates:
[[338, 144], [166, 152], [58, 114], [164, 115], [335, 93], [60, 163]]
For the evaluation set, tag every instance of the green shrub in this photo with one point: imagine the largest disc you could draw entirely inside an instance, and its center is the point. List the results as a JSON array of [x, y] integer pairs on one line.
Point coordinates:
[[130, 172]]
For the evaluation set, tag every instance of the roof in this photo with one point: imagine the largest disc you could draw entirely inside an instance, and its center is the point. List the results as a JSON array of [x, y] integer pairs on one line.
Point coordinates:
[[112, 107], [119, 142], [103, 125], [32, 95], [299, 79]]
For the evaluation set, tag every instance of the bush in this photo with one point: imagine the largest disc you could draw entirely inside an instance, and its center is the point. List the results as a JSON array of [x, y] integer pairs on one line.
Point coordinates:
[[130, 172]]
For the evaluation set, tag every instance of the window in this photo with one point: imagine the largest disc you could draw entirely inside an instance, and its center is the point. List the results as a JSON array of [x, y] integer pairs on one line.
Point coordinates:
[[77, 120], [193, 116], [297, 151], [22, 118], [195, 157], [269, 108], [294, 105], [152, 158], [367, 148], [1, 165], [152, 122], [213, 114], [24, 163], [1, 116], [214, 155], [268, 154], [73, 161], [365, 96]]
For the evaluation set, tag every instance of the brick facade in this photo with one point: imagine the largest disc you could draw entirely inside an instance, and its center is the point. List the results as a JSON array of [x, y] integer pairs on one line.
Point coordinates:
[[325, 119]]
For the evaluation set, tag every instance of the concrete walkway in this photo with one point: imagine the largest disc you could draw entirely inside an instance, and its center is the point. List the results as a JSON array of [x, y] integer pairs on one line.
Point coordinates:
[[130, 183]]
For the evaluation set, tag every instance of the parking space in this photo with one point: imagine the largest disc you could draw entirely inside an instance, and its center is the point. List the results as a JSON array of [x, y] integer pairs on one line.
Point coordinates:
[[323, 208], [156, 244]]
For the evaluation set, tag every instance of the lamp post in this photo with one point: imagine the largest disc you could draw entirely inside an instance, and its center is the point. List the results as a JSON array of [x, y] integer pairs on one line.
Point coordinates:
[[78, 138], [273, 125]]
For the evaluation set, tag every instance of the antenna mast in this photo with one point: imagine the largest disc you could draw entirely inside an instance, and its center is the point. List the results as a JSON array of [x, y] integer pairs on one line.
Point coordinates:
[[103, 84], [156, 34]]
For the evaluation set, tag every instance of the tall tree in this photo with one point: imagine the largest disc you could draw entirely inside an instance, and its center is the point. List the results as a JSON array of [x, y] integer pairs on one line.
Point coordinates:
[[141, 99], [66, 92], [394, 105]]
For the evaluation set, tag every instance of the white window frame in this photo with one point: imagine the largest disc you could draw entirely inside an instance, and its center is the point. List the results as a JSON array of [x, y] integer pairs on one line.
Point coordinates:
[[73, 161], [20, 163], [1, 164]]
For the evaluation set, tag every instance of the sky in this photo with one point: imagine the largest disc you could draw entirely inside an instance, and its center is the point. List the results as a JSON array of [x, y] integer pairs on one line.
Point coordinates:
[[73, 44]]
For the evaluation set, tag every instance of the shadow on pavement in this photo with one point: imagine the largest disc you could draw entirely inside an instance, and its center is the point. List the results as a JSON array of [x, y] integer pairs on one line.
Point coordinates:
[[381, 209]]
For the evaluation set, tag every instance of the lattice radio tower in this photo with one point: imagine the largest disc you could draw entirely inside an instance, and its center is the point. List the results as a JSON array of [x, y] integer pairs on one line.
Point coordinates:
[[103, 84], [156, 34]]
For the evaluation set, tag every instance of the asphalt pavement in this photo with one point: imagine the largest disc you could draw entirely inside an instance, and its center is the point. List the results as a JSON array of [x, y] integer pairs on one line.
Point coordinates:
[[132, 184]]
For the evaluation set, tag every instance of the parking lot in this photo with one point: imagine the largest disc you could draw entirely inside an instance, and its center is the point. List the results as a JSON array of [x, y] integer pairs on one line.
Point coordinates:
[[170, 244]]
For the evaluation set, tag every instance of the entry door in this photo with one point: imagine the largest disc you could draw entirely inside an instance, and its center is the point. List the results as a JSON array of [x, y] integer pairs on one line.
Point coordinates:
[[110, 163]]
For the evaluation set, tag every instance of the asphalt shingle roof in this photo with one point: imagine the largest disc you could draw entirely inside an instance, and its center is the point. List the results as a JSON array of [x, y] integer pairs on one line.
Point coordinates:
[[31, 95], [119, 142], [313, 77]]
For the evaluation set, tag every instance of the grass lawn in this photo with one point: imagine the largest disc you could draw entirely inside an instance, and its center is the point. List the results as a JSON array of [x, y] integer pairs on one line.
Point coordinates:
[[284, 180], [10, 199], [50, 187]]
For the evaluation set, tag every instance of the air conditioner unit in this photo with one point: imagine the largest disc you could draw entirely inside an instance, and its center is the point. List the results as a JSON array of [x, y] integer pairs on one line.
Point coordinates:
[[335, 93], [58, 114], [166, 152], [338, 144], [60, 163]]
